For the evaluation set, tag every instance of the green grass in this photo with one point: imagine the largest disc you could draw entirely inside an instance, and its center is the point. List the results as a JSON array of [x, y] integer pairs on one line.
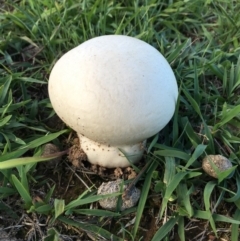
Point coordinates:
[[201, 41]]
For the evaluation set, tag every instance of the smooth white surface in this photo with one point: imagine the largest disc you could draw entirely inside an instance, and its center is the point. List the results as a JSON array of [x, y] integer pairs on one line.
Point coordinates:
[[114, 89], [111, 156]]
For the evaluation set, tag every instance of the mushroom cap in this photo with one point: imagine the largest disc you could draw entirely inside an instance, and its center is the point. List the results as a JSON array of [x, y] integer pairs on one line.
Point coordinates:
[[114, 90]]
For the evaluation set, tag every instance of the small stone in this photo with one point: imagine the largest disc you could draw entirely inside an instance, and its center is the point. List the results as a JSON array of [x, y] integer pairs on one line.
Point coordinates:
[[115, 186], [221, 163], [49, 149]]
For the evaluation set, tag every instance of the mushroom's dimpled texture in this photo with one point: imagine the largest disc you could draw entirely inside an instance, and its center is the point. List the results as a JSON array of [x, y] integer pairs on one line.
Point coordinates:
[[114, 90]]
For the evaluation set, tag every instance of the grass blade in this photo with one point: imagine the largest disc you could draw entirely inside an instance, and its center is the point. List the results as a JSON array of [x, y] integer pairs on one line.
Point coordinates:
[[170, 188], [22, 191], [33, 144], [91, 199], [27, 160], [235, 227], [197, 153], [165, 229], [143, 198], [59, 206], [88, 227], [96, 212], [181, 231], [206, 196], [170, 169], [172, 153]]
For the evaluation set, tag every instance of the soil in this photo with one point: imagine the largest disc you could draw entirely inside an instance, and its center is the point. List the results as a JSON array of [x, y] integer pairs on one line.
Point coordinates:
[[5, 237], [72, 175]]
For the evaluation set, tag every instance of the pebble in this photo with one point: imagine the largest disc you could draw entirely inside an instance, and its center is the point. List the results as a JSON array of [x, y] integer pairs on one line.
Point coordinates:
[[49, 149], [221, 162], [115, 186]]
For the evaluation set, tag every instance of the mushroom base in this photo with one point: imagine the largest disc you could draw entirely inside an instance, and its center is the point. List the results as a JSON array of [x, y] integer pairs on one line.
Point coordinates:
[[111, 156]]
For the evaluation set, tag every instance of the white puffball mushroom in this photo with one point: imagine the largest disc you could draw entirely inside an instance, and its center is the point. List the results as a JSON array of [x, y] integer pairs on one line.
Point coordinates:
[[221, 163], [115, 92]]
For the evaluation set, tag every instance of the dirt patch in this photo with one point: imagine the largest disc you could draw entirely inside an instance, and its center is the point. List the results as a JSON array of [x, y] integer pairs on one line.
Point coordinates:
[[72, 175]]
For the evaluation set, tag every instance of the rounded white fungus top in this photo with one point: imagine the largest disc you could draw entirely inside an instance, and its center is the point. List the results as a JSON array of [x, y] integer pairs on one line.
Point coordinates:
[[114, 89]]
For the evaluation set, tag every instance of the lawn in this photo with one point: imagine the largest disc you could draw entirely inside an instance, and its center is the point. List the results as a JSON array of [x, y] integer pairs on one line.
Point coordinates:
[[45, 199]]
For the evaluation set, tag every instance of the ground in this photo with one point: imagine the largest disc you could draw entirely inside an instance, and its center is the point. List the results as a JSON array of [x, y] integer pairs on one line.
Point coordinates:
[[57, 200]]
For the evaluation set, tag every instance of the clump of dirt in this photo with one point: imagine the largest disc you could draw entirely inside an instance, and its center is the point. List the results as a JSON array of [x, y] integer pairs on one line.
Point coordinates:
[[78, 158], [5, 237], [76, 155]]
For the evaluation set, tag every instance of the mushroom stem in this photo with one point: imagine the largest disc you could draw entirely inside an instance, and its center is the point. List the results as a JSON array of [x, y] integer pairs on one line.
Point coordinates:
[[111, 156]]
